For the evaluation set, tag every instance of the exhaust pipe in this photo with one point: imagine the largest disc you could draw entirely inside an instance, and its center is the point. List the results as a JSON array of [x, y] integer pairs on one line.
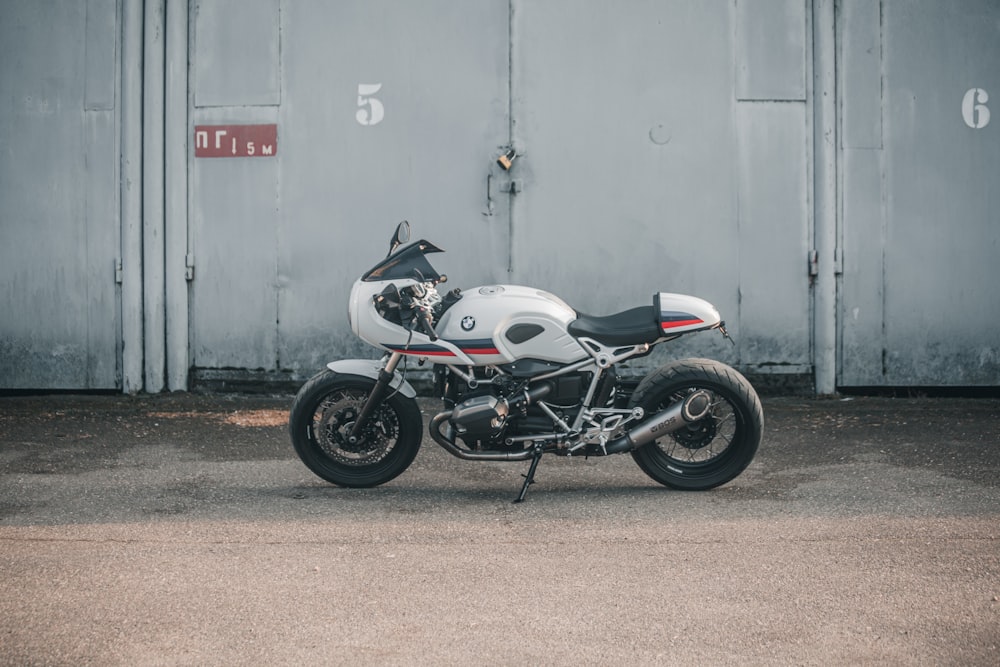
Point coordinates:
[[447, 440], [478, 411], [694, 407]]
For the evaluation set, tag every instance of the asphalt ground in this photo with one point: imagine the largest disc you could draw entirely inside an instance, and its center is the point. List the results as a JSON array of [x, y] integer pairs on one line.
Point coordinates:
[[181, 530]]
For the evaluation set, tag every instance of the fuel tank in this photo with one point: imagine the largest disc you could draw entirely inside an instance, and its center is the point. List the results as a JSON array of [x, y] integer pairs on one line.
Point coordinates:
[[498, 324]]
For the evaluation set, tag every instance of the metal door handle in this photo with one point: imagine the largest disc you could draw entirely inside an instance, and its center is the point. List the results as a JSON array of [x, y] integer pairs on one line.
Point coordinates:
[[489, 195]]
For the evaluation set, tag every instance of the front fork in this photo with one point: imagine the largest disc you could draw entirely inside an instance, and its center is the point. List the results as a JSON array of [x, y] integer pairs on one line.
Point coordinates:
[[375, 397]]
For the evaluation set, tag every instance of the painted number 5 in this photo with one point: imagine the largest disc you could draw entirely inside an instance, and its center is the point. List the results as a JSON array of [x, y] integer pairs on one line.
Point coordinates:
[[974, 109], [370, 111]]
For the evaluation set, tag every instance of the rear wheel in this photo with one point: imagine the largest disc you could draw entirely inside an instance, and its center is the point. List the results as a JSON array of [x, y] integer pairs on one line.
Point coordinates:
[[712, 450], [323, 415]]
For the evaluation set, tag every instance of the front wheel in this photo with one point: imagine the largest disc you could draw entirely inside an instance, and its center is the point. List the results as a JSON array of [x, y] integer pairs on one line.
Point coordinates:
[[712, 450], [322, 416]]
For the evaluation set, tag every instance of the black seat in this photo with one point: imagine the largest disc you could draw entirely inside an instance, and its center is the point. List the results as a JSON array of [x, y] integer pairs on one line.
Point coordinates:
[[630, 327]]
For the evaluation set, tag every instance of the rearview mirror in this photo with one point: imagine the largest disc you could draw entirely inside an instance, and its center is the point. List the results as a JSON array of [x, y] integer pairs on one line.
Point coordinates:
[[401, 236]]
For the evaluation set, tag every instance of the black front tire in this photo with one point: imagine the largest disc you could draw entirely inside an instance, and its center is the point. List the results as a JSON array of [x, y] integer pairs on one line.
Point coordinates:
[[713, 450], [322, 415]]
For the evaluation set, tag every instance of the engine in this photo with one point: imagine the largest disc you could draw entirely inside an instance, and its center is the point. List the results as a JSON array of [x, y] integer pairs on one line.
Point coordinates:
[[503, 406]]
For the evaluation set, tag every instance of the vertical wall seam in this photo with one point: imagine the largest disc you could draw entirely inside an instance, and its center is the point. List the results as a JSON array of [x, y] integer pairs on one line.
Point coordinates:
[[809, 109], [511, 128], [884, 204], [737, 166], [839, 33], [278, 282]]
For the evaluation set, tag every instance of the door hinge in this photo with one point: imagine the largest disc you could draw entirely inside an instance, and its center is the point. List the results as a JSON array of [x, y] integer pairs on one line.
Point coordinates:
[[119, 273], [838, 263], [189, 266]]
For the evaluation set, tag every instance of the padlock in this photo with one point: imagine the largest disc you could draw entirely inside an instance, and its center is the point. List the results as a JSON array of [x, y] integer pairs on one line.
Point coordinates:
[[507, 159]]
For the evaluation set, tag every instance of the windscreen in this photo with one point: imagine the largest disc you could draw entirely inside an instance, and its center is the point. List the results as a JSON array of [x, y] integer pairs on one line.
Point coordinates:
[[401, 264]]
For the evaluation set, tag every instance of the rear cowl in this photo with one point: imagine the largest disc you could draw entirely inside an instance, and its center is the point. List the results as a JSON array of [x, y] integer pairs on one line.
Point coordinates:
[[681, 313]]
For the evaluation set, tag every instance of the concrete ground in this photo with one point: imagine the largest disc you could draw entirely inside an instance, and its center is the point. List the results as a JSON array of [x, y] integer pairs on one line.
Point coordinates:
[[182, 530]]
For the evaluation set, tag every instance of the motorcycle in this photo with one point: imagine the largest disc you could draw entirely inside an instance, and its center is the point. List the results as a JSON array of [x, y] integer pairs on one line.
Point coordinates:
[[521, 375]]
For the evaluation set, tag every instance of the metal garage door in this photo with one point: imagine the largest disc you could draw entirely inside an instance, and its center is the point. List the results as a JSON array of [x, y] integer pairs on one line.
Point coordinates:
[[920, 158], [666, 148], [60, 325], [384, 111]]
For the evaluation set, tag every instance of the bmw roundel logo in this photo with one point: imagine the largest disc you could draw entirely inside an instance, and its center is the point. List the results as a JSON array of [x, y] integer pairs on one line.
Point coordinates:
[[468, 323]]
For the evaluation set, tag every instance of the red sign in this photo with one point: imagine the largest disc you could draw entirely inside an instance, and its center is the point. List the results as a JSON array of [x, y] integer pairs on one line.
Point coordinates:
[[235, 140]]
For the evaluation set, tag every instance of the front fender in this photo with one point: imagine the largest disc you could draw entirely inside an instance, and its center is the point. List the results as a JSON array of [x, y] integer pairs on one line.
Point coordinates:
[[370, 368]]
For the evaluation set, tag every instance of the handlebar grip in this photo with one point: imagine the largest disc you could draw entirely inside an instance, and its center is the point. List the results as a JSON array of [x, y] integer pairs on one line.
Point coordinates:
[[425, 321]]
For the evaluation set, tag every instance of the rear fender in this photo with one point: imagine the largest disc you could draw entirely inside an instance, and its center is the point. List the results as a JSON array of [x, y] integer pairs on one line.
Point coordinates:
[[370, 368]]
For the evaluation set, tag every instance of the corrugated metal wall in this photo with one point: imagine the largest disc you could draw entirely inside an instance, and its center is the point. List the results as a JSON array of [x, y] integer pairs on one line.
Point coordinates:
[[819, 170]]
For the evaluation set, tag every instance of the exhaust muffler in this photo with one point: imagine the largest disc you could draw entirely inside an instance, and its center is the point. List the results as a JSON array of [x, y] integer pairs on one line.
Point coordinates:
[[694, 407]]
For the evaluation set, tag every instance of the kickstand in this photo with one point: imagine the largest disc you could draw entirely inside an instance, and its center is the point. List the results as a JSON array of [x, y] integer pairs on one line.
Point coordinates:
[[529, 479]]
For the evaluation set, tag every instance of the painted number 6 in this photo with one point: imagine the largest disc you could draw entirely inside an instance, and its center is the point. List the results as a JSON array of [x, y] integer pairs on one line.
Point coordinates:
[[370, 111], [974, 109]]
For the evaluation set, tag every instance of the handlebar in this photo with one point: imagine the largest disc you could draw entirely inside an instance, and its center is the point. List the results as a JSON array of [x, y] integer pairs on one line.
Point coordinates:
[[424, 319], [418, 302]]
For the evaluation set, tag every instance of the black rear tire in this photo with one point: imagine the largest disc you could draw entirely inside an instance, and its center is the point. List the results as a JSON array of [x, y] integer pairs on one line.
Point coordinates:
[[713, 450], [322, 415]]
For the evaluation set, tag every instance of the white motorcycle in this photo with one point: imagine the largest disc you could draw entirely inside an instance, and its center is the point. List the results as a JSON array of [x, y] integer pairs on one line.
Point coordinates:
[[521, 375]]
